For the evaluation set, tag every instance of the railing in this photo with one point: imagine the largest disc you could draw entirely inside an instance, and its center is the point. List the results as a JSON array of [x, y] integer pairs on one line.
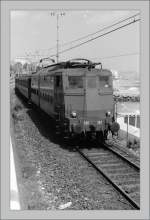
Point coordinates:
[[131, 119]]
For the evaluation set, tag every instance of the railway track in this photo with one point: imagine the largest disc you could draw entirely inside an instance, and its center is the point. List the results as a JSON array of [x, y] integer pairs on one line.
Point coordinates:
[[122, 174], [124, 152]]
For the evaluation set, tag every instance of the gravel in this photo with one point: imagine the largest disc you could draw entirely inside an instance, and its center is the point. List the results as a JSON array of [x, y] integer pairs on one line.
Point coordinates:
[[54, 176]]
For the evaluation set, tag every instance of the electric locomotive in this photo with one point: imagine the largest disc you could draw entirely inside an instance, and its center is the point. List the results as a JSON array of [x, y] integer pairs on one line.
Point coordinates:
[[77, 95]]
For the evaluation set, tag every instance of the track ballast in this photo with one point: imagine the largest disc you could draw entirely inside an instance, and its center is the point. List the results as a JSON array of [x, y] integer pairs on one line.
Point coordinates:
[[123, 174]]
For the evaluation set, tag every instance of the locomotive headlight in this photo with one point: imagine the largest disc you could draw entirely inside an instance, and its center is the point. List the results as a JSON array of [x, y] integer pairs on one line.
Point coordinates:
[[73, 114], [108, 113]]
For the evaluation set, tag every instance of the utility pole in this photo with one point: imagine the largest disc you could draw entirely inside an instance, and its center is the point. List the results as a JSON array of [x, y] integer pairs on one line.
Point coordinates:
[[57, 38], [57, 14]]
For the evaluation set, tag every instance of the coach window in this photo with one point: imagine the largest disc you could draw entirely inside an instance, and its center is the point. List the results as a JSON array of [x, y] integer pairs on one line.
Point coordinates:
[[51, 82], [75, 82]]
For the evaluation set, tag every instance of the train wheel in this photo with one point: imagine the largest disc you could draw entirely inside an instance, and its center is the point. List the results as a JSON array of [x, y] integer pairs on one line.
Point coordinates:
[[100, 136], [57, 129], [29, 102], [89, 139], [65, 137]]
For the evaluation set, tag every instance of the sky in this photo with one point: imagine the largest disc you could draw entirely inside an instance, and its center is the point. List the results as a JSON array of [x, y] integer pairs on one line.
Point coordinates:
[[34, 32]]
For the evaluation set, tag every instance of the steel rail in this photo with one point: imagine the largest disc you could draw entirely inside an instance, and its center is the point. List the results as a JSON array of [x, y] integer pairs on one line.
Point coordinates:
[[100, 170], [122, 157]]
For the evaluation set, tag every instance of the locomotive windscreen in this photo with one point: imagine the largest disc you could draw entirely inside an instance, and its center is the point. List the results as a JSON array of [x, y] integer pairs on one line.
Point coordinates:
[[104, 82], [75, 82]]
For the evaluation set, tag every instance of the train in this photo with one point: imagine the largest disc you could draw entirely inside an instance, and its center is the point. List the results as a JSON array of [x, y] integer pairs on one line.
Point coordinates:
[[76, 94]]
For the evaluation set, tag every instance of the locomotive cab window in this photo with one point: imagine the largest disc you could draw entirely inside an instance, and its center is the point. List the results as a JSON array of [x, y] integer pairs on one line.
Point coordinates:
[[104, 82], [75, 82]]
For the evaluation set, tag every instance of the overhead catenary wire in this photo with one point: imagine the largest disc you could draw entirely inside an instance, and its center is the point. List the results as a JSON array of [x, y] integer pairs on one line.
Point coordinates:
[[117, 56], [91, 34], [94, 38], [109, 57]]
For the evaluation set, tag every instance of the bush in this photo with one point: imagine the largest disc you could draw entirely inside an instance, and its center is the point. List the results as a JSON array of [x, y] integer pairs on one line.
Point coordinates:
[[129, 144]]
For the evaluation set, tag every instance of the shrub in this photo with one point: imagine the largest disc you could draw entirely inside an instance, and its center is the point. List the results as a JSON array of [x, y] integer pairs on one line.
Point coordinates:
[[129, 144]]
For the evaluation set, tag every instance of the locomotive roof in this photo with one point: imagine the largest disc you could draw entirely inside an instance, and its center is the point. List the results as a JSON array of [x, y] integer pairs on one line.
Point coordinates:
[[71, 64], [75, 67], [76, 71], [73, 72]]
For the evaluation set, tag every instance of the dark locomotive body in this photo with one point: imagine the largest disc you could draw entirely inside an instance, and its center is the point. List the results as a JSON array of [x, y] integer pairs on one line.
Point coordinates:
[[76, 94]]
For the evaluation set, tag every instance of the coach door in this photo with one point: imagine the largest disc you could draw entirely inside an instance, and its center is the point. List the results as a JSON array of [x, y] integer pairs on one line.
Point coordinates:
[[58, 94]]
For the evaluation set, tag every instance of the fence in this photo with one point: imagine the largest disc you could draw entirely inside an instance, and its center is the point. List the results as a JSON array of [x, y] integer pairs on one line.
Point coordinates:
[[129, 128], [133, 120]]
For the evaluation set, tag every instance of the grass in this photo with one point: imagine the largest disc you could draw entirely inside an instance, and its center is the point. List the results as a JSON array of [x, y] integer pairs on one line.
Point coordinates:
[[132, 143]]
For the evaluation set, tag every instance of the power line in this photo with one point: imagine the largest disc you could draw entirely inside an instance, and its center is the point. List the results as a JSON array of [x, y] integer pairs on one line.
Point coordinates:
[[91, 34], [81, 38], [121, 55], [80, 44], [102, 58]]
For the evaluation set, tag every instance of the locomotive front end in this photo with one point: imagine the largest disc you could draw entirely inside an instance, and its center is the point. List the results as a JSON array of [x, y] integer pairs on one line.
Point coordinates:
[[89, 103], [99, 103]]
